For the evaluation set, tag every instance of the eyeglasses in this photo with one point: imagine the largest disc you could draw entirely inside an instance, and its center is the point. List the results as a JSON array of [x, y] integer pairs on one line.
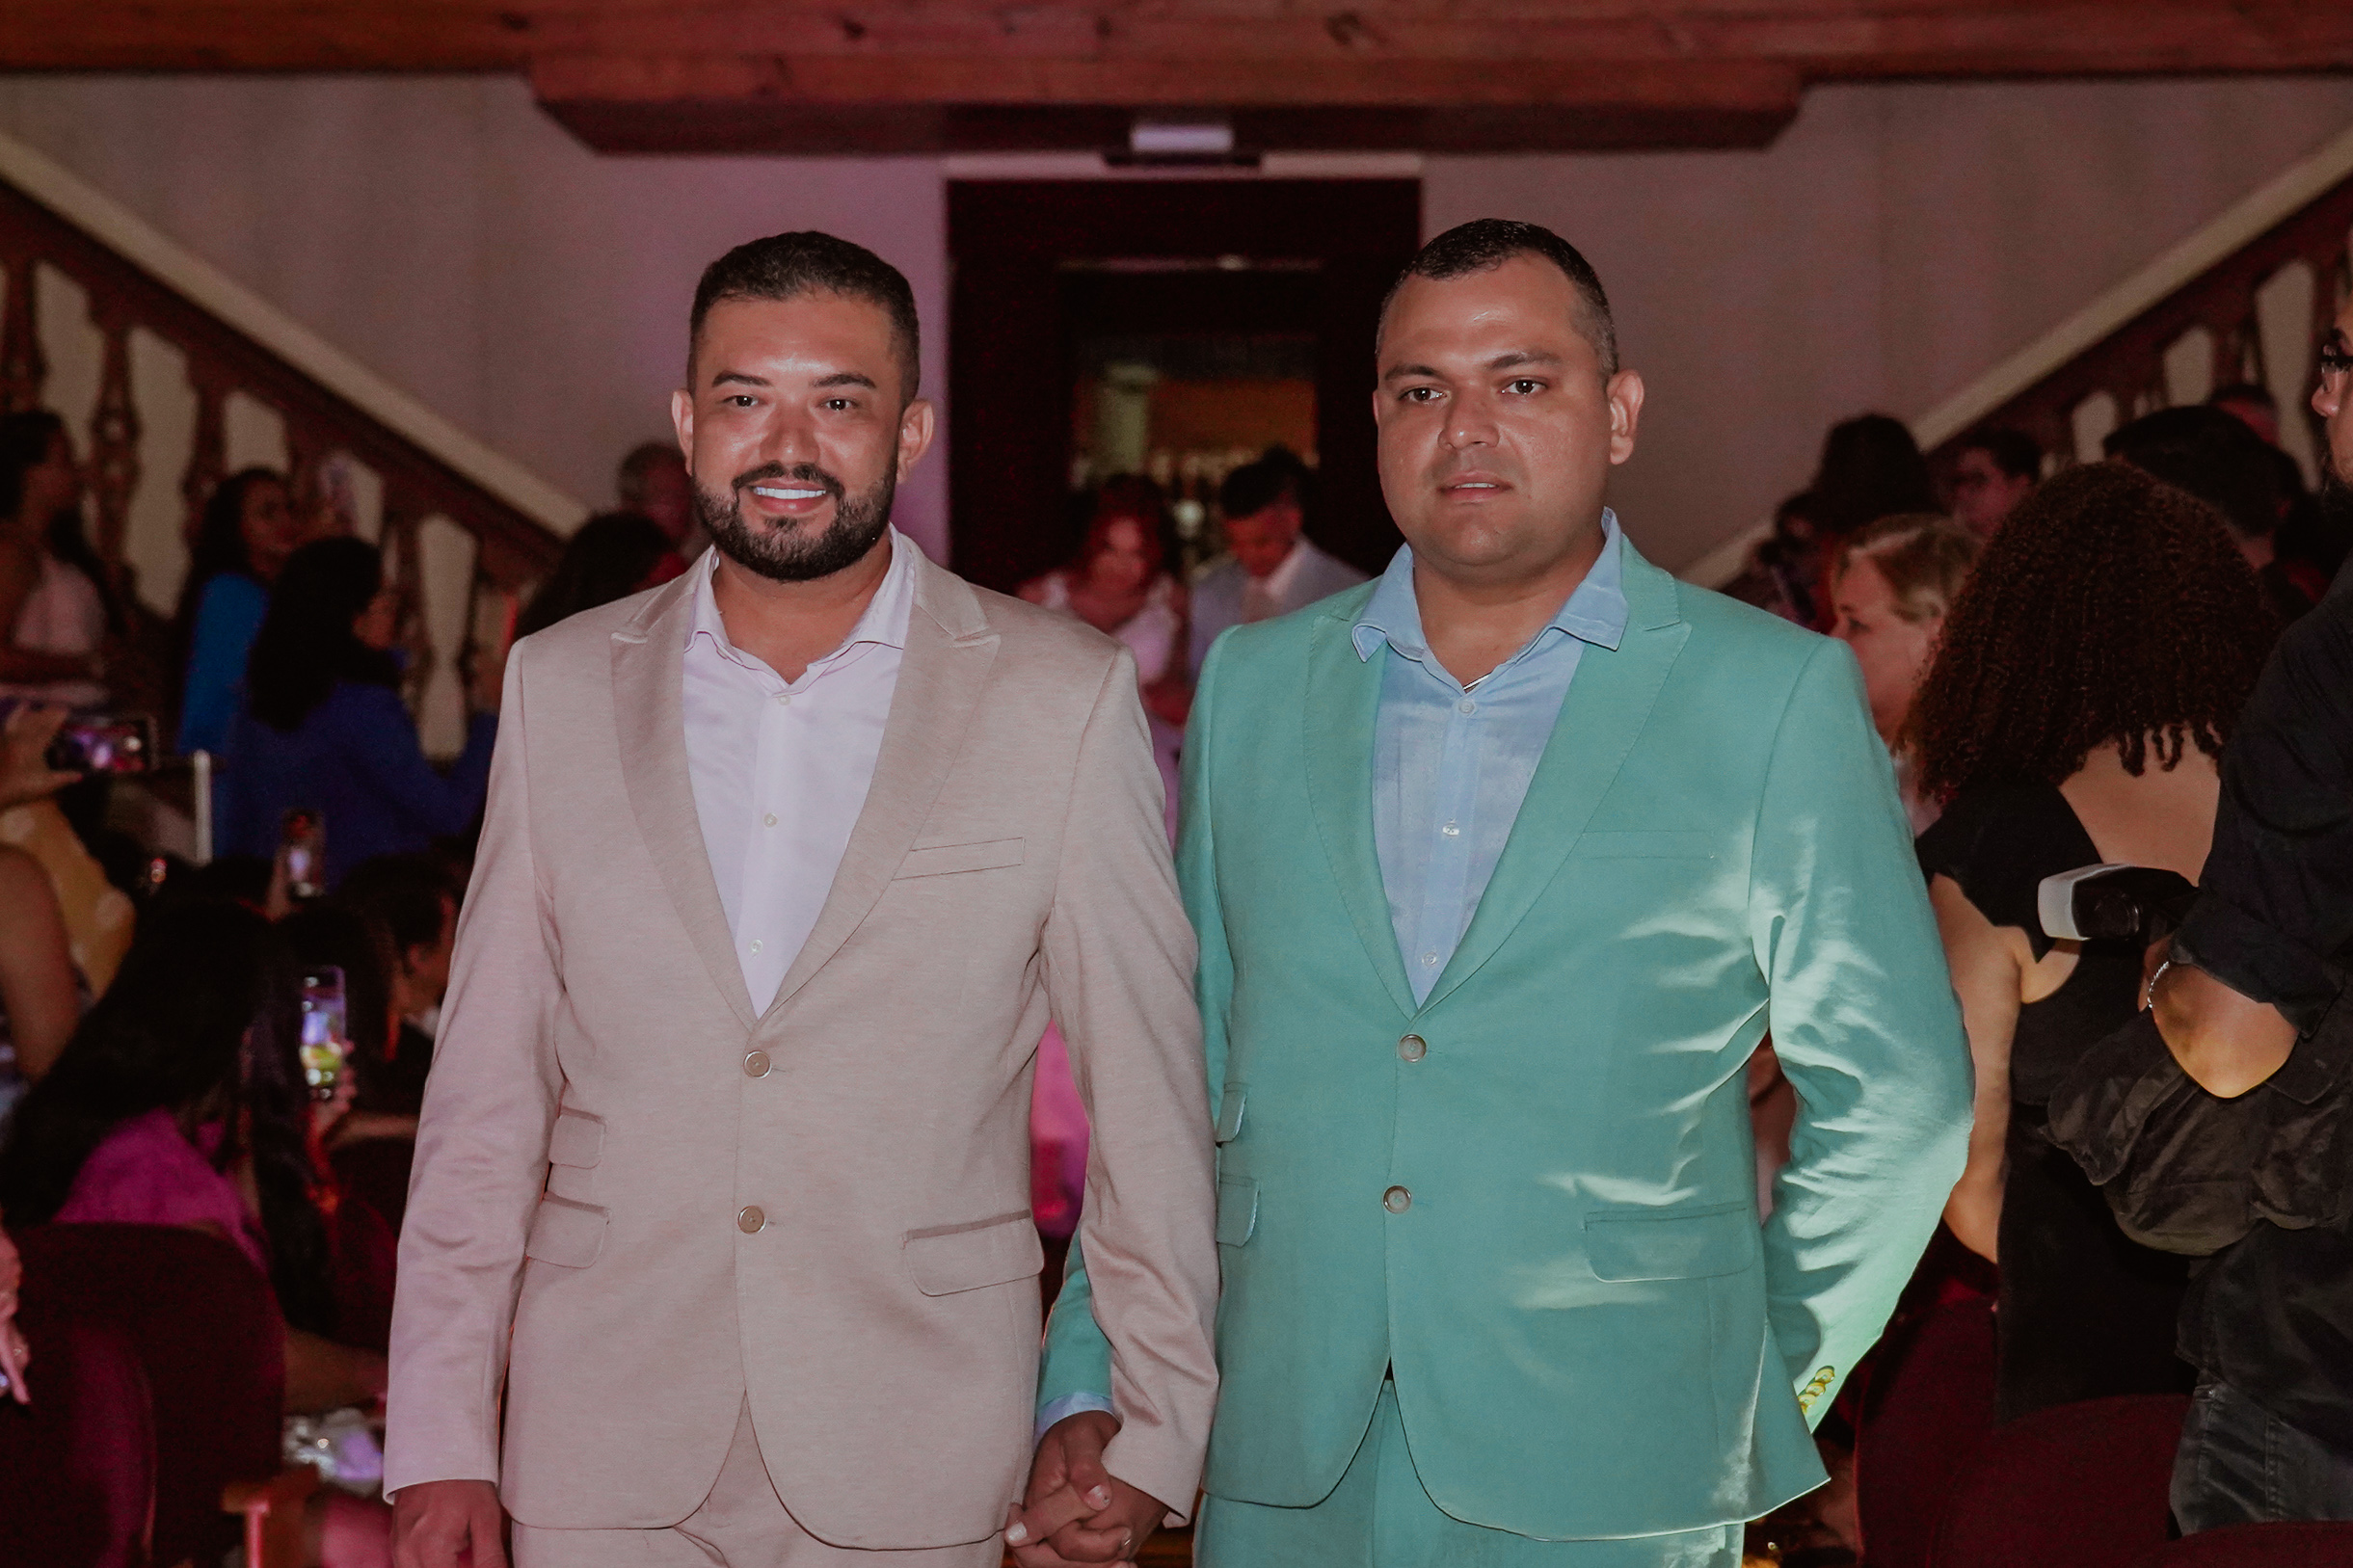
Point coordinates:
[[2335, 361]]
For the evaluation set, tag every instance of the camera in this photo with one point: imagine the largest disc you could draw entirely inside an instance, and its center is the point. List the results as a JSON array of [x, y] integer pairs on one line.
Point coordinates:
[[2113, 903]]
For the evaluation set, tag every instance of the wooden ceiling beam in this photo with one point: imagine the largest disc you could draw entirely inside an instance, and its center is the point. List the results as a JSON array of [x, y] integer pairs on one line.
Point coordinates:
[[745, 75]]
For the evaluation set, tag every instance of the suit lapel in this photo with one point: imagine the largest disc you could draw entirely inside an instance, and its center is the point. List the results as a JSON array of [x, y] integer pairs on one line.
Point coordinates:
[[1342, 696], [649, 718], [1608, 704], [949, 650]]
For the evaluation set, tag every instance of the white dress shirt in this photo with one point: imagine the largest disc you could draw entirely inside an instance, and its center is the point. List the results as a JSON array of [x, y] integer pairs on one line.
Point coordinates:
[[780, 770]]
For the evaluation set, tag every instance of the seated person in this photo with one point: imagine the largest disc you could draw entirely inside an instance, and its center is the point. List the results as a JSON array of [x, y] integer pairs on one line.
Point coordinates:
[[181, 1101], [1270, 567], [325, 728]]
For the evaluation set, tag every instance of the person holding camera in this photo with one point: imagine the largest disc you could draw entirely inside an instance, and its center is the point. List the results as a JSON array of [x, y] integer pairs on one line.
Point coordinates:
[[2217, 1124]]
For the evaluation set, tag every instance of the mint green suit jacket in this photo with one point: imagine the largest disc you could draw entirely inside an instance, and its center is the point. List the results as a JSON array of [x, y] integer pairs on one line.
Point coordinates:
[[1589, 1332]]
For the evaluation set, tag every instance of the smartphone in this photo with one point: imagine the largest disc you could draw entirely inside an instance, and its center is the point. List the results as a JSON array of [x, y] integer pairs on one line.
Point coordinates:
[[325, 1041], [103, 743], [301, 848]]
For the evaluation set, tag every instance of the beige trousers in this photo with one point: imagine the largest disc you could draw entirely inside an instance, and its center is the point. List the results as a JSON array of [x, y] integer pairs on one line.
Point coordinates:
[[743, 1524]]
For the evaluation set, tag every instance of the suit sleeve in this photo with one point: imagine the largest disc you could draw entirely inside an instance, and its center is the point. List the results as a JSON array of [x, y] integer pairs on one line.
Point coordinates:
[[1135, 1316], [1866, 1026], [481, 1146]]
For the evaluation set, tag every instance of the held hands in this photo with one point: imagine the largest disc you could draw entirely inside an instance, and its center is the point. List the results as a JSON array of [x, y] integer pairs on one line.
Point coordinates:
[[448, 1524], [1076, 1511], [25, 774]]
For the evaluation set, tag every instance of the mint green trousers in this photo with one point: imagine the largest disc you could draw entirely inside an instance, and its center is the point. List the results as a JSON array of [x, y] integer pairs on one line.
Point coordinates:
[[1380, 1517]]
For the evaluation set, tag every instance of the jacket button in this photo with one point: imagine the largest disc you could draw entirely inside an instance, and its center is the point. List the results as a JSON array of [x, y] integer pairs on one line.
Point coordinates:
[[1413, 1047], [749, 1219], [1397, 1200], [756, 1065]]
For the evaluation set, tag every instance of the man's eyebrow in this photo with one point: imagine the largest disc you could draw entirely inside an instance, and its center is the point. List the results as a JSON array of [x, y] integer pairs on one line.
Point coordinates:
[[738, 377], [1396, 372], [1523, 357], [845, 378]]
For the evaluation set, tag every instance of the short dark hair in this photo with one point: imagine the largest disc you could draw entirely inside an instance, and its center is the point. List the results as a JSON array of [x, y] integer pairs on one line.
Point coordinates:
[[805, 261], [1490, 242], [2012, 451], [2244, 391], [407, 898], [1257, 485], [2212, 454], [630, 479]]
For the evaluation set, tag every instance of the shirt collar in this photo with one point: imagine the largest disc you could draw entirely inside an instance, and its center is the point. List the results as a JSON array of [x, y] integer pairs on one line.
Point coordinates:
[[1594, 612], [884, 622], [1276, 584]]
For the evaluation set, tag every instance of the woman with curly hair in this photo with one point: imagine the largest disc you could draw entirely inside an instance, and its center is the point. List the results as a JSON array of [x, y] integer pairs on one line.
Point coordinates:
[[2087, 677]]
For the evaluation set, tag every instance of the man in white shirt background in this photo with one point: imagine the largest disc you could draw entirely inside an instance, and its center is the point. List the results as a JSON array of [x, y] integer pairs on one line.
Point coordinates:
[[1270, 567]]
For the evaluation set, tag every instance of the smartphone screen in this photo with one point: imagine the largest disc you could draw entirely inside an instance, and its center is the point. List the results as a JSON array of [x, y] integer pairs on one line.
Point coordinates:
[[326, 1039], [302, 847], [104, 744]]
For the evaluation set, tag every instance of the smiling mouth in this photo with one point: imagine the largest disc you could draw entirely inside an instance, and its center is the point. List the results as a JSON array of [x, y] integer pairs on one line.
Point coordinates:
[[788, 493]]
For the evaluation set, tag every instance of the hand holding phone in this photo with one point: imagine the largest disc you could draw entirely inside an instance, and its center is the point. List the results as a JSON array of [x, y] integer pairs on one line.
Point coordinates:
[[326, 1039]]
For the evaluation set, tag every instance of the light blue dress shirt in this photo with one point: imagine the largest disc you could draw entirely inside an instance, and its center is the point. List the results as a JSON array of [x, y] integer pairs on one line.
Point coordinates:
[[1451, 763]]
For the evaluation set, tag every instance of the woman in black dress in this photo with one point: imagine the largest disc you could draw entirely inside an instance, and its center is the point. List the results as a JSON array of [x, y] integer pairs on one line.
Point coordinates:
[[2086, 680]]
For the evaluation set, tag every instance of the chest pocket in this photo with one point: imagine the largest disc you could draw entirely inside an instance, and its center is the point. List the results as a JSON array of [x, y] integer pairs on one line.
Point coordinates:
[[946, 860]]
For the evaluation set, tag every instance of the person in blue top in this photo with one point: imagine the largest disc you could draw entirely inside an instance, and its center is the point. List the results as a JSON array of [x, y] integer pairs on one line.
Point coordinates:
[[248, 531], [324, 728]]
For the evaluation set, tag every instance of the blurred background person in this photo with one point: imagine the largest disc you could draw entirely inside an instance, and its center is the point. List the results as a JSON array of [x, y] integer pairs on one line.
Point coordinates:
[[2088, 676], [42, 990], [249, 529], [412, 903], [653, 482], [181, 1101], [613, 555], [1992, 472], [1891, 587], [324, 728], [2215, 456], [1785, 574], [54, 614], [1270, 567], [1870, 468], [1120, 585]]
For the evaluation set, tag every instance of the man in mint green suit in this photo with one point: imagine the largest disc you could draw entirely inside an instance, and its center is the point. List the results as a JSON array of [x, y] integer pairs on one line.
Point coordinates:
[[1503, 865]]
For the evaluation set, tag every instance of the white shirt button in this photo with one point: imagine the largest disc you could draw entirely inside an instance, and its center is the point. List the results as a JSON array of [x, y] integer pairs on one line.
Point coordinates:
[[1397, 1200], [1429, 958], [784, 699], [755, 945], [769, 820], [1466, 705], [1452, 830]]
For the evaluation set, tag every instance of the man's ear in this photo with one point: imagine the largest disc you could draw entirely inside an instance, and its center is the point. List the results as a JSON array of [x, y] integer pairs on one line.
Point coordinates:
[[918, 423], [682, 419], [1624, 392]]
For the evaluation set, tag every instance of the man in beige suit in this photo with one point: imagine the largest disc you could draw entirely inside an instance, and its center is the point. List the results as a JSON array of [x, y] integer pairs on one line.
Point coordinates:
[[722, 1186]]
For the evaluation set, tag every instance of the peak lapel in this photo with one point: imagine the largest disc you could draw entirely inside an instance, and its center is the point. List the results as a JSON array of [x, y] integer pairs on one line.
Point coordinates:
[[1608, 704], [1342, 694], [648, 719], [940, 674]]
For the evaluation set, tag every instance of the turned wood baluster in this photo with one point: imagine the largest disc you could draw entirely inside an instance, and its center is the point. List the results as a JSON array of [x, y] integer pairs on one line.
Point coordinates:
[[114, 443], [22, 367], [207, 452], [405, 568]]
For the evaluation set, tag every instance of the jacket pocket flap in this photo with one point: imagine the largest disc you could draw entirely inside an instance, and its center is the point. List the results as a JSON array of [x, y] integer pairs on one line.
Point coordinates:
[[953, 1257], [1615, 847], [1237, 1212], [939, 859], [577, 1139], [1236, 1099], [1626, 1244], [566, 1233]]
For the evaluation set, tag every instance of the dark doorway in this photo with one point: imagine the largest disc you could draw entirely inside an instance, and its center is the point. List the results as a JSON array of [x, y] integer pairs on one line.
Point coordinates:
[[1250, 302]]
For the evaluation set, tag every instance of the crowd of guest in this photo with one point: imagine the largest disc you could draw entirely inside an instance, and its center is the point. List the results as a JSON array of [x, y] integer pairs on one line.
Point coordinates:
[[2054, 656]]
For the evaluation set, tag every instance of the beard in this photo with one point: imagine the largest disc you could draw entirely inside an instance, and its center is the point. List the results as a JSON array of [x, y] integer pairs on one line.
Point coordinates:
[[786, 556]]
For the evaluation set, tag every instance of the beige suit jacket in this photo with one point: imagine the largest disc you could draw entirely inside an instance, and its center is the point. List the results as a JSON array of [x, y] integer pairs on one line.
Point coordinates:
[[595, 1134]]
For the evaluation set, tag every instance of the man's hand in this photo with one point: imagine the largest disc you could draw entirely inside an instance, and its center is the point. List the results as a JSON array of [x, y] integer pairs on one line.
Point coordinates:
[[2228, 1043], [448, 1524], [1075, 1511]]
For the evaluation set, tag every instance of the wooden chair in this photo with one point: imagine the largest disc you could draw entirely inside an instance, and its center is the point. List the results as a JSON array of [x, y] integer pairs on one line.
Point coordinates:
[[1929, 1410]]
